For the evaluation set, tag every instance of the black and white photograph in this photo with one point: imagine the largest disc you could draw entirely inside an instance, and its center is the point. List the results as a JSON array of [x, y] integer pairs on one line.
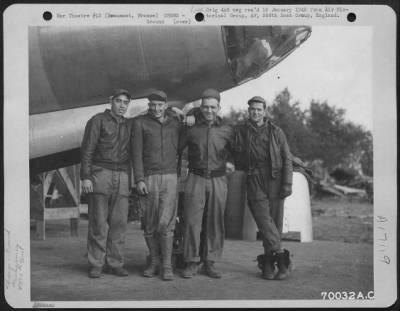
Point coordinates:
[[200, 156]]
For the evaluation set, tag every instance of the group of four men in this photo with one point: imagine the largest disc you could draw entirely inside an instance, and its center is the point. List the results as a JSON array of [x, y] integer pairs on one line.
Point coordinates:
[[153, 144]]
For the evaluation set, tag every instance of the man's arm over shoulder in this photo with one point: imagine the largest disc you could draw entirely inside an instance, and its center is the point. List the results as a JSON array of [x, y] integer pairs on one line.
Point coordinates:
[[175, 113], [89, 143], [192, 116]]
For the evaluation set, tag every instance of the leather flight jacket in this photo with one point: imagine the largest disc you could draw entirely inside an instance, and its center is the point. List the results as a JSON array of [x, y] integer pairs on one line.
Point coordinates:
[[278, 159], [105, 143]]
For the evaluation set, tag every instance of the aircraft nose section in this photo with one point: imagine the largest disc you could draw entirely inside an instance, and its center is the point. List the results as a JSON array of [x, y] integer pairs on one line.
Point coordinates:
[[253, 50]]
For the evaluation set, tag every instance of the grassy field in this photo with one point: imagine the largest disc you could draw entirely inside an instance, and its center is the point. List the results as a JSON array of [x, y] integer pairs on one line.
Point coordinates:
[[343, 220]]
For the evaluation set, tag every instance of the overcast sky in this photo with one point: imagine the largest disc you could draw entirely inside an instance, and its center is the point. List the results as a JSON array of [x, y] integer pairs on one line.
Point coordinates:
[[334, 64]]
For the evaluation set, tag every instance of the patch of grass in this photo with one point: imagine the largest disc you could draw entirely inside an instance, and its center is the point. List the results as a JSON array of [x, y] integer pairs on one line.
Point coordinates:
[[342, 220]]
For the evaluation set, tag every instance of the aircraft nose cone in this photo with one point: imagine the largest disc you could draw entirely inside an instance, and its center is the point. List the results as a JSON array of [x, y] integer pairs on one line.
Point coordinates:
[[253, 50]]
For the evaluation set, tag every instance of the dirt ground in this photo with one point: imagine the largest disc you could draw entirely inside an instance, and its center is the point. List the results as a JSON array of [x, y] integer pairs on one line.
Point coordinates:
[[339, 259]]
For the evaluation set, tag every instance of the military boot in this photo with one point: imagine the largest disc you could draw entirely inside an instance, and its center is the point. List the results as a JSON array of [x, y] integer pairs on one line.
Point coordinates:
[[268, 268], [166, 253], [211, 271], [282, 266], [154, 265], [190, 270]]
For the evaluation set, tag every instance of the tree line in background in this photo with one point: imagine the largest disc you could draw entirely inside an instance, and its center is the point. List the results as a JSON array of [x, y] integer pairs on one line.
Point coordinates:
[[319, 133]]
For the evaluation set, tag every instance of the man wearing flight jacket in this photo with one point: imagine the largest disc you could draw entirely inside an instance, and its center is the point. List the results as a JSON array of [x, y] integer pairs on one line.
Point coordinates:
[[266, 158], [104, 173], [210, 145], [154, 147]]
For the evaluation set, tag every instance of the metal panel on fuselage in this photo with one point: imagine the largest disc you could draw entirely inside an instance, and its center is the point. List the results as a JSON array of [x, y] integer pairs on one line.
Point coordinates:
[[77, 66]]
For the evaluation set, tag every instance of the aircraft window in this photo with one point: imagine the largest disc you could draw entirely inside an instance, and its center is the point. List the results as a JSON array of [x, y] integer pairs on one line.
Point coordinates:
[[247, 55], [253, 61], [253, 50]]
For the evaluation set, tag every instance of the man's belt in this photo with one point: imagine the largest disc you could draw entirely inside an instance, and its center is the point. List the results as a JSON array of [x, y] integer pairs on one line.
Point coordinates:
[[207, 173], [112, 166]]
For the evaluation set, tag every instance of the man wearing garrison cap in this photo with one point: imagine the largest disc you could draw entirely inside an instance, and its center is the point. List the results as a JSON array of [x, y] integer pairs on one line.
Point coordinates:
[[266, 158], [210, 145], [104, 173], [154, 147]]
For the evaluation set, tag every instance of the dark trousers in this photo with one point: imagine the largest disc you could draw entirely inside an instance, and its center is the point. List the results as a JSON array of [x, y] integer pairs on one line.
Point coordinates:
[[266, 207], [268, 215]]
